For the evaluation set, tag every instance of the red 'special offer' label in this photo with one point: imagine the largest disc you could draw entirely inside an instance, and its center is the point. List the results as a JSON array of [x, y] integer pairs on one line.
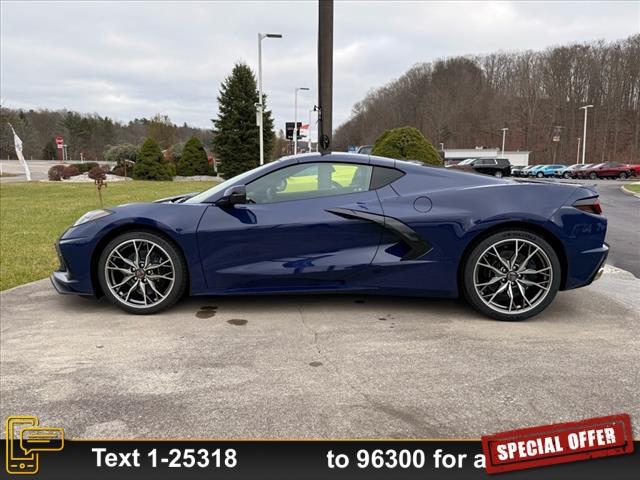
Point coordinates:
[[558, 443]]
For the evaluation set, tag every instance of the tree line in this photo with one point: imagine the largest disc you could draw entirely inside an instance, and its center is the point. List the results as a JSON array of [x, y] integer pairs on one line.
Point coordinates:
[[464, 102], [89, 134]]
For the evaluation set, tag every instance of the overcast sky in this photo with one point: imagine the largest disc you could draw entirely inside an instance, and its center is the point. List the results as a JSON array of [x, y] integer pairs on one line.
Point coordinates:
[[134, 59]]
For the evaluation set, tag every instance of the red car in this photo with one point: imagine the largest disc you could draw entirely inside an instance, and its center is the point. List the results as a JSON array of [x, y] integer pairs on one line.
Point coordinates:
[[605, 170], [635, 169]]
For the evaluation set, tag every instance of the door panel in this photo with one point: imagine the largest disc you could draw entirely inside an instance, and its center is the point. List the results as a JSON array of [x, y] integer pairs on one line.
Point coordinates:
[[288, 244]]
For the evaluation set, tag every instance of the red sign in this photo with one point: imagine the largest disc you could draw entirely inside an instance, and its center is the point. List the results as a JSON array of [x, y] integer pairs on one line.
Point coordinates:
[[558, 443], [59, 140]]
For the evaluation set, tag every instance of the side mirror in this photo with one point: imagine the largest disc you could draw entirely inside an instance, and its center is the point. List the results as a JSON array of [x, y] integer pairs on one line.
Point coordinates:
[[233, 195]]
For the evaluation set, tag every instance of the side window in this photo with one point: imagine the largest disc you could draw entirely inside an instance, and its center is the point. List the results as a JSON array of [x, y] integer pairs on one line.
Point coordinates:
[[384, 176], [310, 180]]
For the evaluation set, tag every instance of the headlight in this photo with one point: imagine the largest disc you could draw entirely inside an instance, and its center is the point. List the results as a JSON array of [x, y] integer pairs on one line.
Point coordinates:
[[91, 216]]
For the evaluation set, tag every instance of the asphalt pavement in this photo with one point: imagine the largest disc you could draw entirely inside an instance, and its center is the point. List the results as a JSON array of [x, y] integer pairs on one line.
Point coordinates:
[[318, 366]]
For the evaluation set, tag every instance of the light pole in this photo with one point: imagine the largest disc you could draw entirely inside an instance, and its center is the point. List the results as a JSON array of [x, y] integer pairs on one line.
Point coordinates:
[[295, 120], [504, 135], [578, 152], [584, 131], [309, 137], [259, 106]]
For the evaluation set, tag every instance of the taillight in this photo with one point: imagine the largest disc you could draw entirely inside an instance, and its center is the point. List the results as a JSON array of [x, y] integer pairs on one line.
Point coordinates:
[[591, 205]]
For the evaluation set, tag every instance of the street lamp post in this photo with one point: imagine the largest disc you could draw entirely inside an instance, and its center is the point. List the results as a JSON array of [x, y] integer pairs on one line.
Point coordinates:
[[504, 134], [578, 152], [309, 137], [295, 120], [584, 131], [259, 106]]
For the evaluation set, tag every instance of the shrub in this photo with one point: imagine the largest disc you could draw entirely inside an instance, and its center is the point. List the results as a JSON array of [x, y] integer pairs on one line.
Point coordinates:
[[406, 143], [120, 153], [119, 170], [70, 171], [56, 173], [86, 166], [151, 164], [97, 173], [193, 160]]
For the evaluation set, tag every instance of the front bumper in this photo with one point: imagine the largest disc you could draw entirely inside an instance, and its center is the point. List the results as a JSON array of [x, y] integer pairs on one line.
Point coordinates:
[[73, 276], [64, 284]]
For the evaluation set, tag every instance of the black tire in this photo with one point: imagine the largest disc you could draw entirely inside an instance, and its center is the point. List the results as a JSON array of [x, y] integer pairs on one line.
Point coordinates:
[[498, 174], [470, 291], [566, 175], [178, 265], [540, 175], [593, 176], [622, 176]]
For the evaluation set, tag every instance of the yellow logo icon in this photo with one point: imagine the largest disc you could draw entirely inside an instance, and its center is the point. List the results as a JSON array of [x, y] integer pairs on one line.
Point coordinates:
[[25, 440]]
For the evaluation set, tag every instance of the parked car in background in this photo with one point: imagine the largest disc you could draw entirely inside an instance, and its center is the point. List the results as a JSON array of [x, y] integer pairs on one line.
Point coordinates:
[[548, 170], [635, 169], [365, 149], [532, 172], [605, 170], [497, 167], [525, 171], [517, 171], [567, 171]]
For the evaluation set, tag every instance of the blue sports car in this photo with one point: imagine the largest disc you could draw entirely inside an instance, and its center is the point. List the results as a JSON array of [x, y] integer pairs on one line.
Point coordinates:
[[343, 223]]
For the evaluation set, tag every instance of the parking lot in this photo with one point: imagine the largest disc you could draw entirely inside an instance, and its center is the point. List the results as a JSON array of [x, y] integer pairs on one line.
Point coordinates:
[[326, 366]]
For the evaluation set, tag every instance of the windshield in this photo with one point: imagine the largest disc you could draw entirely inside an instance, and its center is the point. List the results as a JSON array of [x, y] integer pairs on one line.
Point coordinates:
[[221, 187]]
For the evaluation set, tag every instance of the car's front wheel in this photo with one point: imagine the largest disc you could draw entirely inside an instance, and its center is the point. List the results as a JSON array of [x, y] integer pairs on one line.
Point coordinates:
[[498, 174], [511, 275], [540, 175], [622, 175], [593, 175], [566, 175], [142, 273]]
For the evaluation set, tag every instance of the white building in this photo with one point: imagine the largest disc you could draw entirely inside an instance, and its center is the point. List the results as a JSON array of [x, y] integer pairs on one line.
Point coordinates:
[[516, 158]]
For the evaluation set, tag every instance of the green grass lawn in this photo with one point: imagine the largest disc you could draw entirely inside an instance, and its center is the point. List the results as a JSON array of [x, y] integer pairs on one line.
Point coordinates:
[[33, 215], [4, 174], [633, 188]]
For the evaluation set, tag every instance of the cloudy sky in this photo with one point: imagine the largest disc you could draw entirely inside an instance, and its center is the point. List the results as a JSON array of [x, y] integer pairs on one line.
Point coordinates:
[[134, 59]]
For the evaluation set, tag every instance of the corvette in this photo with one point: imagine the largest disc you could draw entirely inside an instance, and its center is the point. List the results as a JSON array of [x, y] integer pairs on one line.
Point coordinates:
[[343, 223]]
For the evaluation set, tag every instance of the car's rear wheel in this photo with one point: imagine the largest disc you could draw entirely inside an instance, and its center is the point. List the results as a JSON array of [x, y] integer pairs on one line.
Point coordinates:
[[142, 273], [511, 275]]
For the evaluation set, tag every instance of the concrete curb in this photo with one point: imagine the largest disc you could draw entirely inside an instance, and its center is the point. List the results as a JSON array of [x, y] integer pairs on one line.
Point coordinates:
[[629, 192]]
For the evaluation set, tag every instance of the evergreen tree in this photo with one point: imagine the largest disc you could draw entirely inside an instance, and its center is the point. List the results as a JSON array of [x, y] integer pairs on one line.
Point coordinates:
[[151, 164], [50, 151], [193, 160], [236, 143]]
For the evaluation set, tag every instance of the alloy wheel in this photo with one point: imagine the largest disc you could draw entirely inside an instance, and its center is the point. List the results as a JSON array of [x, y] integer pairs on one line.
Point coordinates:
[[513, 276], [139, 273]]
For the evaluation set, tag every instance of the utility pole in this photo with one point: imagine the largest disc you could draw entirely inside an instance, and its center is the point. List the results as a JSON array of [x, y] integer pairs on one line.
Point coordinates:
[[325, 75], [259, 105], [584, 131]]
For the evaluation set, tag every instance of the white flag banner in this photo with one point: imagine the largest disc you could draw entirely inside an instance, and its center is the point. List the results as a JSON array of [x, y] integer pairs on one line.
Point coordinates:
[[18, 144]]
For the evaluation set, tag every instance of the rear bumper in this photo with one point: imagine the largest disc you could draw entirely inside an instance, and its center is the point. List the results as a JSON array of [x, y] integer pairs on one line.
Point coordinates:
[[588, 267]]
